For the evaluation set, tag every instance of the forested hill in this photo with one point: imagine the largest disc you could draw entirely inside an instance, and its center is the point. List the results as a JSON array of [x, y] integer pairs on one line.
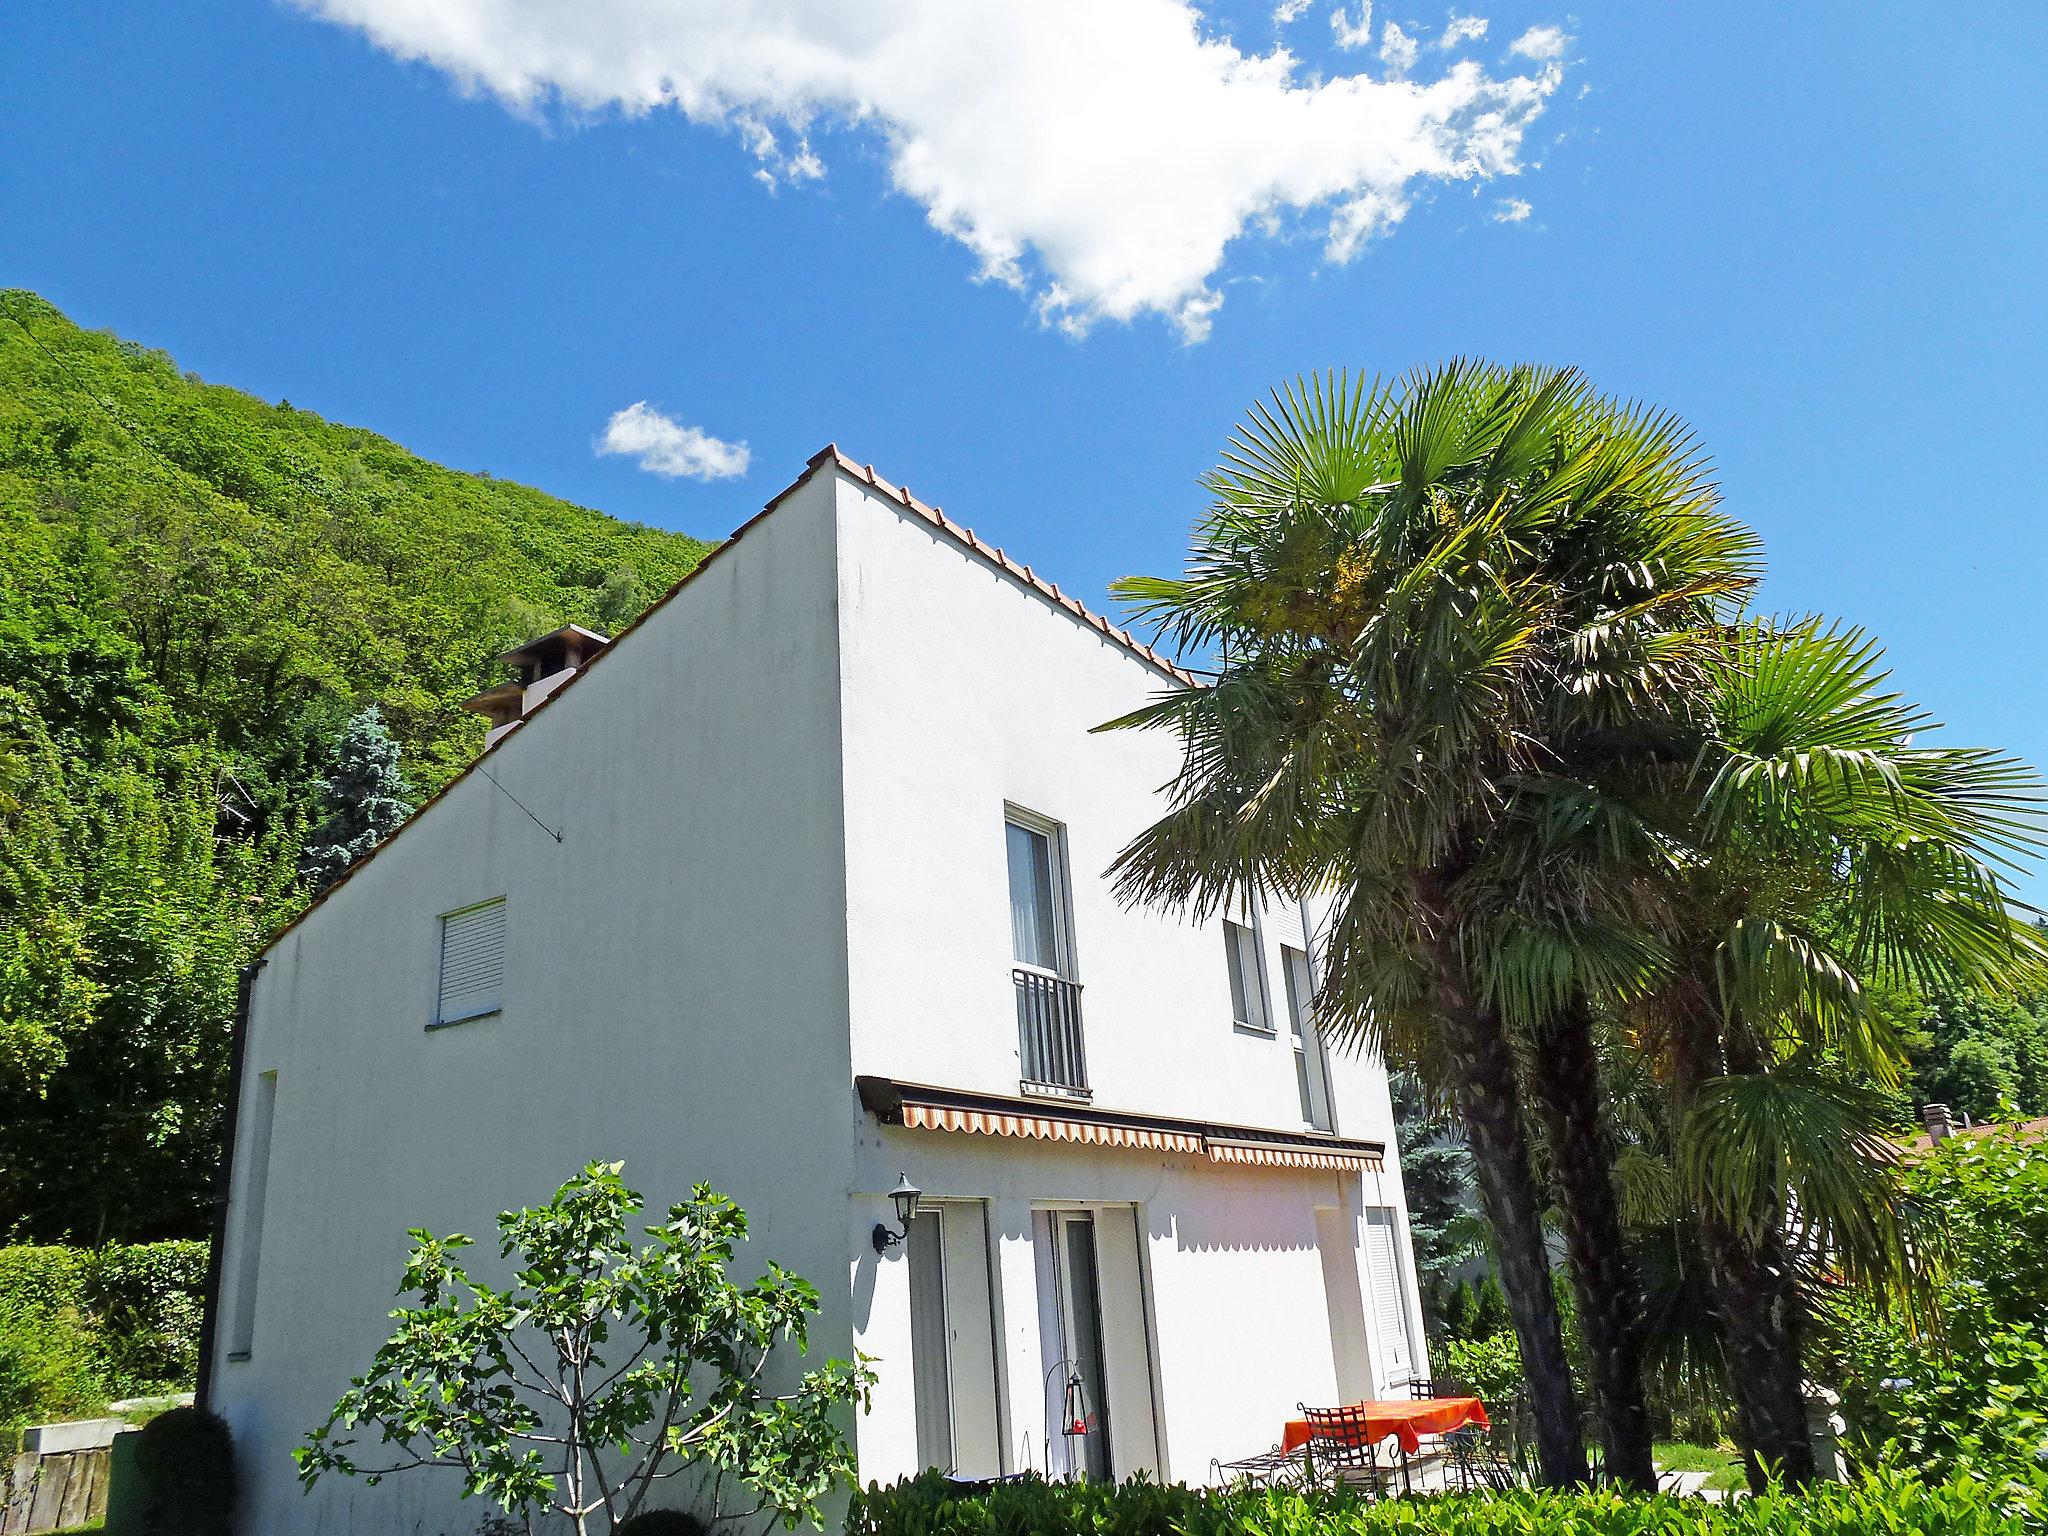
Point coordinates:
[[197, 591]]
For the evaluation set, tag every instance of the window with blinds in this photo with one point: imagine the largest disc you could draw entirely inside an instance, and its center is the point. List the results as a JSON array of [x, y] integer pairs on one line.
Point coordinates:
[[1389, 1297], [472, 963]]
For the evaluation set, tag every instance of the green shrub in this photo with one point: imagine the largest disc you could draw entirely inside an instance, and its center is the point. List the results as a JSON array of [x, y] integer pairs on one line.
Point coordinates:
[[47, 1371], [145, 1300], [1459, 1311], [38, 1281], [1489, 1368], [1889, 1501], [1490, 1310], [136, 1307], [1976, 1397], [187, 1460]]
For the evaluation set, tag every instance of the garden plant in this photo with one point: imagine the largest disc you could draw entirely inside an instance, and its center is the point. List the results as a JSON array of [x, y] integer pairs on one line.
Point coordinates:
[[602, 1372]]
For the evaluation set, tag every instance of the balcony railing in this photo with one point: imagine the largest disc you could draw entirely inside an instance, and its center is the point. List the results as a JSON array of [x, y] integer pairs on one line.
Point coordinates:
[[1049, 1031]]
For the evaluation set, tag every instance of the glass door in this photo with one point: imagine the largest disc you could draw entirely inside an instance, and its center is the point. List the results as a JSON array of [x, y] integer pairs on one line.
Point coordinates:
[[1084, 1414]]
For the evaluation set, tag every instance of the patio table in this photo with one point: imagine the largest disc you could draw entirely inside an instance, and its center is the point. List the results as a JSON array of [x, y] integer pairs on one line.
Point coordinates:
[[1406, 1419]]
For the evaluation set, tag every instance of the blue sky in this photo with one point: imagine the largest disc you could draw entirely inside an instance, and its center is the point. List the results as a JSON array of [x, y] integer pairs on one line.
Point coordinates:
[[1815, 231]]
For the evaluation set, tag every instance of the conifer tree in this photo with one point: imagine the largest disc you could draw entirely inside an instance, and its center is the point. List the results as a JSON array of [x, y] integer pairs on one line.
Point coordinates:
[[365, 797]]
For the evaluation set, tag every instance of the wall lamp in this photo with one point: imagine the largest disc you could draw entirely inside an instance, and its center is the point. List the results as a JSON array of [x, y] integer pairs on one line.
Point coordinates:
[[905, 1196]]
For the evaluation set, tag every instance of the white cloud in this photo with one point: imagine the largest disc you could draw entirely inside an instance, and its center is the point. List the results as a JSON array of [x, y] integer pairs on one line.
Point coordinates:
[[1290, 11], [1462, 29], [664, 446], [1102, 158], [1349, 33], [1543, 44], [1512, 210], [1398, 51]]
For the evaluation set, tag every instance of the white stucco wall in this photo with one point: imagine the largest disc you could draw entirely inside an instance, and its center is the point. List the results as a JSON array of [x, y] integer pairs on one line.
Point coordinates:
[[966, 691], [674, 996], [782, 865]]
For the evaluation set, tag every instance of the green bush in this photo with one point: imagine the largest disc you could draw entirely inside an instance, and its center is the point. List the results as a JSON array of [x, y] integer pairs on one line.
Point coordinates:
[[37, 1281], [1889, 1501], [187, 1460], [1489, 1368], [79, 1326], [1976, 1397], [146, 1300], [47, 1371]]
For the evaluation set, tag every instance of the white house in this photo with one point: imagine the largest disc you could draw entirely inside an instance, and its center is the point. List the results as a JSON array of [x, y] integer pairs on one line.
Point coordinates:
[[796, 888]]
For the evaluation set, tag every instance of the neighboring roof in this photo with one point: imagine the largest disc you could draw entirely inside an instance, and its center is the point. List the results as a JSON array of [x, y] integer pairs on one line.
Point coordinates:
[[555, 638], [2026, 1130], [499, 704], [865, 473]]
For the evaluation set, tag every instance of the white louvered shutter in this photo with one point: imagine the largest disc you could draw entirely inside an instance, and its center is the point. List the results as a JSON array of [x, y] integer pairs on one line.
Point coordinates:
[[472, 962], [1389, 1314]]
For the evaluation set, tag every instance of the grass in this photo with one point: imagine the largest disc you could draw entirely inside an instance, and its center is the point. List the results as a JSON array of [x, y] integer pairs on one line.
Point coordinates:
[[1722, 1466]]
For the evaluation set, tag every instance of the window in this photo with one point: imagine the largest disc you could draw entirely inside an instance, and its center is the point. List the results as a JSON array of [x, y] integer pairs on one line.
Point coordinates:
[[1247, 977], [255, 1190], [472, 962], [1050, 1054], [1038, 935], [1311, 1067]]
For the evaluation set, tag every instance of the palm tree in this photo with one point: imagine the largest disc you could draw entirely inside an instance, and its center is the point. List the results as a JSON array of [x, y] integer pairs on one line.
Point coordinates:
[[1429, 603], [1823, 853]]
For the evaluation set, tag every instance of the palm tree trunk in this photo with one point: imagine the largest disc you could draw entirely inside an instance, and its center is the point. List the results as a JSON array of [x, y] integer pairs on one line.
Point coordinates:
[[1610, 1299], [1751, 1282], [1761, 1326], [1489, 1102]]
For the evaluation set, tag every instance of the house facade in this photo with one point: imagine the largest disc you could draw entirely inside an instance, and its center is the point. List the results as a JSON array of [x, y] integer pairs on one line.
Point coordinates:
[[797, 889]]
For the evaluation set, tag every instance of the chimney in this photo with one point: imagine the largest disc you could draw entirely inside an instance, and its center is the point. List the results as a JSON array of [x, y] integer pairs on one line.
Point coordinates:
[[1939, 1125], [542, 666]]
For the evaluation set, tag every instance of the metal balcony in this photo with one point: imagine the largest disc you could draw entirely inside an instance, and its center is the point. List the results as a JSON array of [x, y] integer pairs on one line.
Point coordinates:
[[1049, 1032]]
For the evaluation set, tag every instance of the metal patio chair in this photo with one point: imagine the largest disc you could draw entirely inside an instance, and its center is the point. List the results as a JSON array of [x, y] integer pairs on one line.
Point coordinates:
[[1275, 1468], [1474, 1456], [1343, 1450]]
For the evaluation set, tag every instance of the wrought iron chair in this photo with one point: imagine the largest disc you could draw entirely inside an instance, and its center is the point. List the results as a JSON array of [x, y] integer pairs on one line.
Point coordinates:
[[1275, 1468], [1436, 1451], [1343, 1448], [1477, 1457]]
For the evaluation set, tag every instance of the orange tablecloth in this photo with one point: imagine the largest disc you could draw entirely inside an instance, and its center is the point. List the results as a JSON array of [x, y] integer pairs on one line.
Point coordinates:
[[1405, 1419]]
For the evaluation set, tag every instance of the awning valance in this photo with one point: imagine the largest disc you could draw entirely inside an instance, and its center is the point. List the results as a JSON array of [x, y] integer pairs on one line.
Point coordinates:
[[1264, 1155], [933, 1117], [921, 1106]]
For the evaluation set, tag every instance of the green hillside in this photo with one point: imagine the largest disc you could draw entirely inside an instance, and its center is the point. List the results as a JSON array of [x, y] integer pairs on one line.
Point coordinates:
[[197, 590]]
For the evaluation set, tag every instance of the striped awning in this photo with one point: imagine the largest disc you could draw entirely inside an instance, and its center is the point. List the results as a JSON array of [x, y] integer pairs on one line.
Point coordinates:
[[1265, 1155], [920, 1106], [935, 1117]]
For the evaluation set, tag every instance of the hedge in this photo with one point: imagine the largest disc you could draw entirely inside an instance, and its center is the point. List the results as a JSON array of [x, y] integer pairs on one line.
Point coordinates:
[[144, 1301], [36, 1282], [79, 1326], [1889, 1501]]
